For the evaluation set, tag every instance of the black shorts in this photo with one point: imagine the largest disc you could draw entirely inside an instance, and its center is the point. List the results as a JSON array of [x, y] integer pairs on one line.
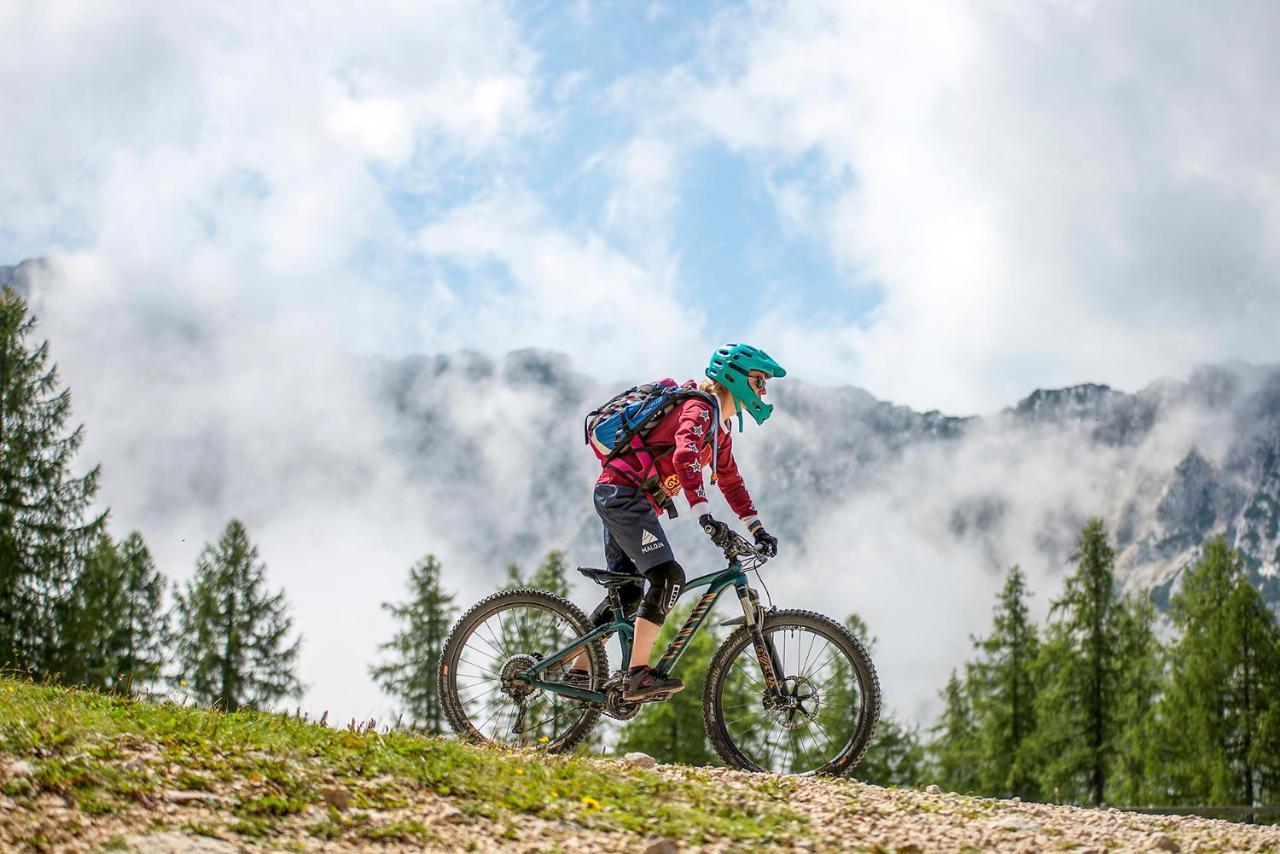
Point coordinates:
[[633, 538]]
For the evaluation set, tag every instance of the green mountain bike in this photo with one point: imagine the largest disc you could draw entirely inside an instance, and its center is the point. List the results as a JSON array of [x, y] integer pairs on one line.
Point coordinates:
[[788, 691]]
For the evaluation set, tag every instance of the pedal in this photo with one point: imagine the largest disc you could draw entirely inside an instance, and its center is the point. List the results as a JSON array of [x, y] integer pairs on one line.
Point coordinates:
[[655, 698]]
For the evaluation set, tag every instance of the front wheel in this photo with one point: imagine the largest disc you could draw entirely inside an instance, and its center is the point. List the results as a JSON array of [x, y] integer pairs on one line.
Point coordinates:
[[825, 721]]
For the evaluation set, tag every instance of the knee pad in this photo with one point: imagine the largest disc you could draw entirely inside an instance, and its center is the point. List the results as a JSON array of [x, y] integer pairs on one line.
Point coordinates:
[[665, 583], [630, 594]]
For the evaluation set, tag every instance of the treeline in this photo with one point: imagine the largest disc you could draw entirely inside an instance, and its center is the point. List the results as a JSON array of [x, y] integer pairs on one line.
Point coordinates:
[[1094, 708], [80, 607]]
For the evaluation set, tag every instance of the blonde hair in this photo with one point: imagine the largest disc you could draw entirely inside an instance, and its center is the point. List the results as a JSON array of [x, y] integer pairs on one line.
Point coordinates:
[[710, 386]]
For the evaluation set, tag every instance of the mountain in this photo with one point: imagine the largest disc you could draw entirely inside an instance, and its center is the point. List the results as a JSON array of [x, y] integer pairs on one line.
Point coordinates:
[[1167, 467], [19, 278]]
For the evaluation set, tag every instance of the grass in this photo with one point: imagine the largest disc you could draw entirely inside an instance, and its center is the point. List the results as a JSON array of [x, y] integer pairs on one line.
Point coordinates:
[[264, 774]]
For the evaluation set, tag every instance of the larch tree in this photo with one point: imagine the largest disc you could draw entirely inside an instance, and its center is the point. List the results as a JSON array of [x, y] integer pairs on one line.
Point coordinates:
[[231, 637], [1002, 688], [45, 528], [411, 675], [896, 756], [1219, 742], [954, 747], [1086, 701], [113, 622]]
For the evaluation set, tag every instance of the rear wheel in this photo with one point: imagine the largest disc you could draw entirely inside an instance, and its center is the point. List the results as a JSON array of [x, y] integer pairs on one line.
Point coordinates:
[[501, 637], [828, 716]]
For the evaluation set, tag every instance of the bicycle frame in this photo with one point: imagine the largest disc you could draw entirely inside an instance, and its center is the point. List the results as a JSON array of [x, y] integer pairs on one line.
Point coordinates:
[[716, 583]]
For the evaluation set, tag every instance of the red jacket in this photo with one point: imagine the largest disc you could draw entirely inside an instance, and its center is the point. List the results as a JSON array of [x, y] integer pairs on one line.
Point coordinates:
[[687, 427]]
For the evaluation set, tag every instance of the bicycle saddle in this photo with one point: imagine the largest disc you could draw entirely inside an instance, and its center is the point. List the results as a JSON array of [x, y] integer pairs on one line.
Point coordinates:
[[609, 578]]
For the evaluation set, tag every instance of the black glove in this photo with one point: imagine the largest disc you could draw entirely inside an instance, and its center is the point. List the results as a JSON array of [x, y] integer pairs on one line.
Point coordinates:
[[767, 542], [718, 531]]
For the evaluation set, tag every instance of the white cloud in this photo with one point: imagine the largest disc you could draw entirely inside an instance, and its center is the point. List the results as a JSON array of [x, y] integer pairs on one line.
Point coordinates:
[[211, 183], [1045, 194], [571, 289]]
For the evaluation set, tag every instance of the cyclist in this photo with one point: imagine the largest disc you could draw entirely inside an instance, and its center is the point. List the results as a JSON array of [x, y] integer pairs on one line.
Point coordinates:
[[634, 542]]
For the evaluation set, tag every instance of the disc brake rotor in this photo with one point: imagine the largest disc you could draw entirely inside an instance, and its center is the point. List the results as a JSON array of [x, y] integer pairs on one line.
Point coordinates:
[[799, 707]]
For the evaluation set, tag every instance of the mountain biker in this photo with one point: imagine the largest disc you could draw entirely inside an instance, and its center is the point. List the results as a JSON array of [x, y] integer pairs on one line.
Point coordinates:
[[634, 542]]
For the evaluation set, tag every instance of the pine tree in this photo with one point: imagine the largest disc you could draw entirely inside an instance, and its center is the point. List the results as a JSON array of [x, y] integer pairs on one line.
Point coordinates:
[[1218, 740], [1087, 672], [954, 747], [113, 625], [1003, 694], [231, 642], [44, 534], [411, 675], [672, 731]]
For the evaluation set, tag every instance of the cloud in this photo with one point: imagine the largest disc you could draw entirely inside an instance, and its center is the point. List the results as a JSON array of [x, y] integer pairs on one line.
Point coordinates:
[[219, 189], [530, 282], [1043, 193]]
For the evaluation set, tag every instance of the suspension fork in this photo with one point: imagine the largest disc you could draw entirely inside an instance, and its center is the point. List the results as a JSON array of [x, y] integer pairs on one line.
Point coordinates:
[[766, 655]]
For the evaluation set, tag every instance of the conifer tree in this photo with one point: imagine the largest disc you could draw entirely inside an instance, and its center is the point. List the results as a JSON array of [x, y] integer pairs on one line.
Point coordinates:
[[954, 747], [672, 731], [552, 575], [1086, 699], [1143, 659], [896, 756], [411, 674], [113, 625], [44, 534], [1218, 740], [1003, 691], [83, 615], [231, 639]]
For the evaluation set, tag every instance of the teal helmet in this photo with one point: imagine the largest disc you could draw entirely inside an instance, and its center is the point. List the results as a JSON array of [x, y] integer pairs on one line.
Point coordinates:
[[731, 365]]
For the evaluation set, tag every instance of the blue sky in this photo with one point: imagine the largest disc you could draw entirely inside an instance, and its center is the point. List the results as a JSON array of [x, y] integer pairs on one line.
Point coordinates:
[[947, 204]]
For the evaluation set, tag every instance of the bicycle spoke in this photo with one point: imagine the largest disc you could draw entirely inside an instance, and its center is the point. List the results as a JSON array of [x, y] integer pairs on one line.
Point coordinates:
[[487, 678], [816, 718]]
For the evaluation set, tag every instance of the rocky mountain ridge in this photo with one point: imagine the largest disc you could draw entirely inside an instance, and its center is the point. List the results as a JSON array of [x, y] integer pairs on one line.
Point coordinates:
[[1171, 465]]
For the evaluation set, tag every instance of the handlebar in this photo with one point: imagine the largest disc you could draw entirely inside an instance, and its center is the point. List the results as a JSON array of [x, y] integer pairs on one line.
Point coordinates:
[[739, 546]]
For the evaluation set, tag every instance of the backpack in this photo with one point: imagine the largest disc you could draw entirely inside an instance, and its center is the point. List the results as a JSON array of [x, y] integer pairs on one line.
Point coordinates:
[[620, 425]]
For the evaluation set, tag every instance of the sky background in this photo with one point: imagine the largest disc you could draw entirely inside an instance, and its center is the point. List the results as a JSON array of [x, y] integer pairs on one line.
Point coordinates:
[[948, 204]]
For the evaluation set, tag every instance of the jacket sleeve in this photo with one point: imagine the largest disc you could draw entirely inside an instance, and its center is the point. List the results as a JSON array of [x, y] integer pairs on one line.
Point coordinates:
[[692, 430], [731, 483], [691, 438]]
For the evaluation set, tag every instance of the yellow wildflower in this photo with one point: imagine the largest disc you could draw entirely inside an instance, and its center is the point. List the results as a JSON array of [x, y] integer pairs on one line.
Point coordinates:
[[520, 771], [589, 801]]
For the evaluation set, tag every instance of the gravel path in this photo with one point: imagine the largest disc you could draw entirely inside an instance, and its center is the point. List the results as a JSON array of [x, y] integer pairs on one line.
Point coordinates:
[[847, 815], [839, 815]]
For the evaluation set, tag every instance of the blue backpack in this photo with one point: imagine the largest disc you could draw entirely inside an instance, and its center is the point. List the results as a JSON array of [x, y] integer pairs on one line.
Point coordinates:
[[610, 429]]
